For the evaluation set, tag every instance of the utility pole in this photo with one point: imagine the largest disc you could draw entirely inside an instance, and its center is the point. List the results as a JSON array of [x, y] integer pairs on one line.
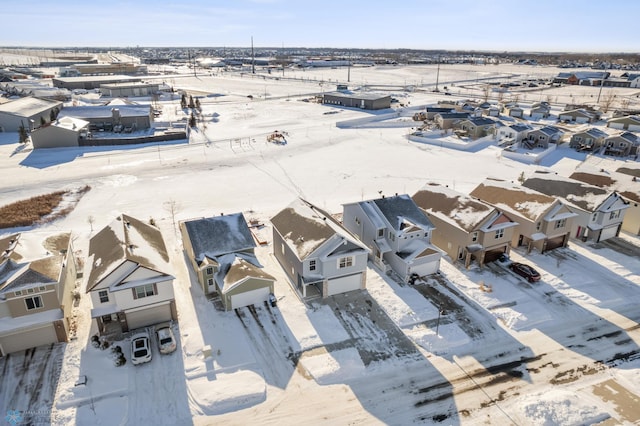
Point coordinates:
[[437, 76], [253, 58]]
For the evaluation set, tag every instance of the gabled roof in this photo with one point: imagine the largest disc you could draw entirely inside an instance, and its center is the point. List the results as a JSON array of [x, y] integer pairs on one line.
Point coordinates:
[[579, 112], [628, 136], [623, 184], [401, 212], [520, 127], [460, 210], [215, 236], [105, 111], [237, 268], [632, 118], [526, 202], [452, 115], [587, 197], [481, 121], [125, 239], [548, 130], [594, 132], [306, 228]]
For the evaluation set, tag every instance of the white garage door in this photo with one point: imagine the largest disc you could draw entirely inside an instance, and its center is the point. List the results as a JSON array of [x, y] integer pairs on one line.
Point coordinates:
[[616, 126], [28, 339], [634, 128], [254, 297], [149, 316], [425, 269], [608, 232], [344, 284]]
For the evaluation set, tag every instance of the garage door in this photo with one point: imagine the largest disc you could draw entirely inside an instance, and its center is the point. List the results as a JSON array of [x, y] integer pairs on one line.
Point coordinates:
[[493, 255], [254, 297], [28, 339], [344, 284], [148, 316], [619, 126], [609, 232], [425, 269], [555, 242], [634, 128]]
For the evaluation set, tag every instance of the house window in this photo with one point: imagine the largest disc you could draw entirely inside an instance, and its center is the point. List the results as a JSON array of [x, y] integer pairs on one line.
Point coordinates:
[[357, 221], [345, 262], [144, 291], [499, 233], [42, 288], [561, 223], [614, 215], [34, 302], [474, 236], [209, 270], [594, 217], [30, 291], [18, 293], [210, 282], [380, 233], [312, 265], [538, 225], [392, 236], [104, 296]]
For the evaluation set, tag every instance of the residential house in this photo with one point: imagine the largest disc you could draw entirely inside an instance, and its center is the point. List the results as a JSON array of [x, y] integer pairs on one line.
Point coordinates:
[[512, 109], [622, 145], [544, 222], [578, 116], [320, 257], [589, 78], [430, 112], [28, 113], [629, 122], [128, 280], [600, 211], [540, 110], [466, 228], [633, 79], [588, 140], [397, 232], [514, 133], [542, 137], [64, 132], [475, 127], [446, 120], [221, 252], [37, 280], [626, 183]]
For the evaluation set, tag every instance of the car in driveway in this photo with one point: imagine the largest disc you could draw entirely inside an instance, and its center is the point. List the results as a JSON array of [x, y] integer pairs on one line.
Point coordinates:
[[525, 271], [140, 348], [166, 339]]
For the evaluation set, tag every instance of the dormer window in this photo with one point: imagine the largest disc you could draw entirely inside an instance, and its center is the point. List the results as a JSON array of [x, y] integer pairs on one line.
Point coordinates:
[[474, 236]]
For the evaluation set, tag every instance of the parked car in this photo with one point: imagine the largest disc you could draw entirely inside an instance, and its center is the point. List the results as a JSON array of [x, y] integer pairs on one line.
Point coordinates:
[[525, 271], [140, 349], [166, 340]]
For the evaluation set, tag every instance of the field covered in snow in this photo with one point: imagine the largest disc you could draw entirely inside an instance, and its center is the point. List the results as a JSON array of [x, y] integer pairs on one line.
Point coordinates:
[[445, 351]]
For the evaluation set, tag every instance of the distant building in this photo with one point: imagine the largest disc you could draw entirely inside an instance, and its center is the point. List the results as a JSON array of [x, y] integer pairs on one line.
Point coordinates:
[[357, 100]]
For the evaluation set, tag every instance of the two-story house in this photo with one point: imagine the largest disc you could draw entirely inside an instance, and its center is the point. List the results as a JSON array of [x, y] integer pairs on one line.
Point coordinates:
[[544, 222], [600, 212], [37, 279], [319, 256], [221, 252], [588, 140], [127, 282], [542, 137], [514, 133], [397, 232], [466, 228]]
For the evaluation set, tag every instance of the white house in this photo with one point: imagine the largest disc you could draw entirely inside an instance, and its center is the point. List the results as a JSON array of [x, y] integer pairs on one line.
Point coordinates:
[[127, 283], [397, 232]]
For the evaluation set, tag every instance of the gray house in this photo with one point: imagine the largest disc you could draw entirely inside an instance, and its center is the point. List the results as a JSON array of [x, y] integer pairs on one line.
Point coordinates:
[[221, 252], [588, 140], [28, 112], [319, 256], [397, 232], [37, 279], [541, 138], [64, 132], [600, 211]]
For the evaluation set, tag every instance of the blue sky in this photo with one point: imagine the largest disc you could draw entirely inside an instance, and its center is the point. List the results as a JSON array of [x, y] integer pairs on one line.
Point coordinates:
[[498, 25]]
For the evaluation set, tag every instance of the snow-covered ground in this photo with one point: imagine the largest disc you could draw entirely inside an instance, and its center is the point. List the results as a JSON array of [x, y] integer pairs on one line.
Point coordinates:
[[447, 350]]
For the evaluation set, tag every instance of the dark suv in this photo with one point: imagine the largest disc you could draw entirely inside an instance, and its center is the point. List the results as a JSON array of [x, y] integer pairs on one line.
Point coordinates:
[[525, 271]]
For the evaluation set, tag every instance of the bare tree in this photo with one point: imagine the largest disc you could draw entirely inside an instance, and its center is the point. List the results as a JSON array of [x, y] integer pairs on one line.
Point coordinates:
[[172, 207], [607, 102], [91, 220], [486, 90]]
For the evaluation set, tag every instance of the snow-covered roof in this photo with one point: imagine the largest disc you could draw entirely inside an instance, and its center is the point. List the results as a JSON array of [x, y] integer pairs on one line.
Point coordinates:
[[125, 239], [400, 212], [622, 183], [105, 111], [70, 123], [235, 268], [215, 236], [28, 106], [306, 227], [587, 197], [515, 198], [459, 209]]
